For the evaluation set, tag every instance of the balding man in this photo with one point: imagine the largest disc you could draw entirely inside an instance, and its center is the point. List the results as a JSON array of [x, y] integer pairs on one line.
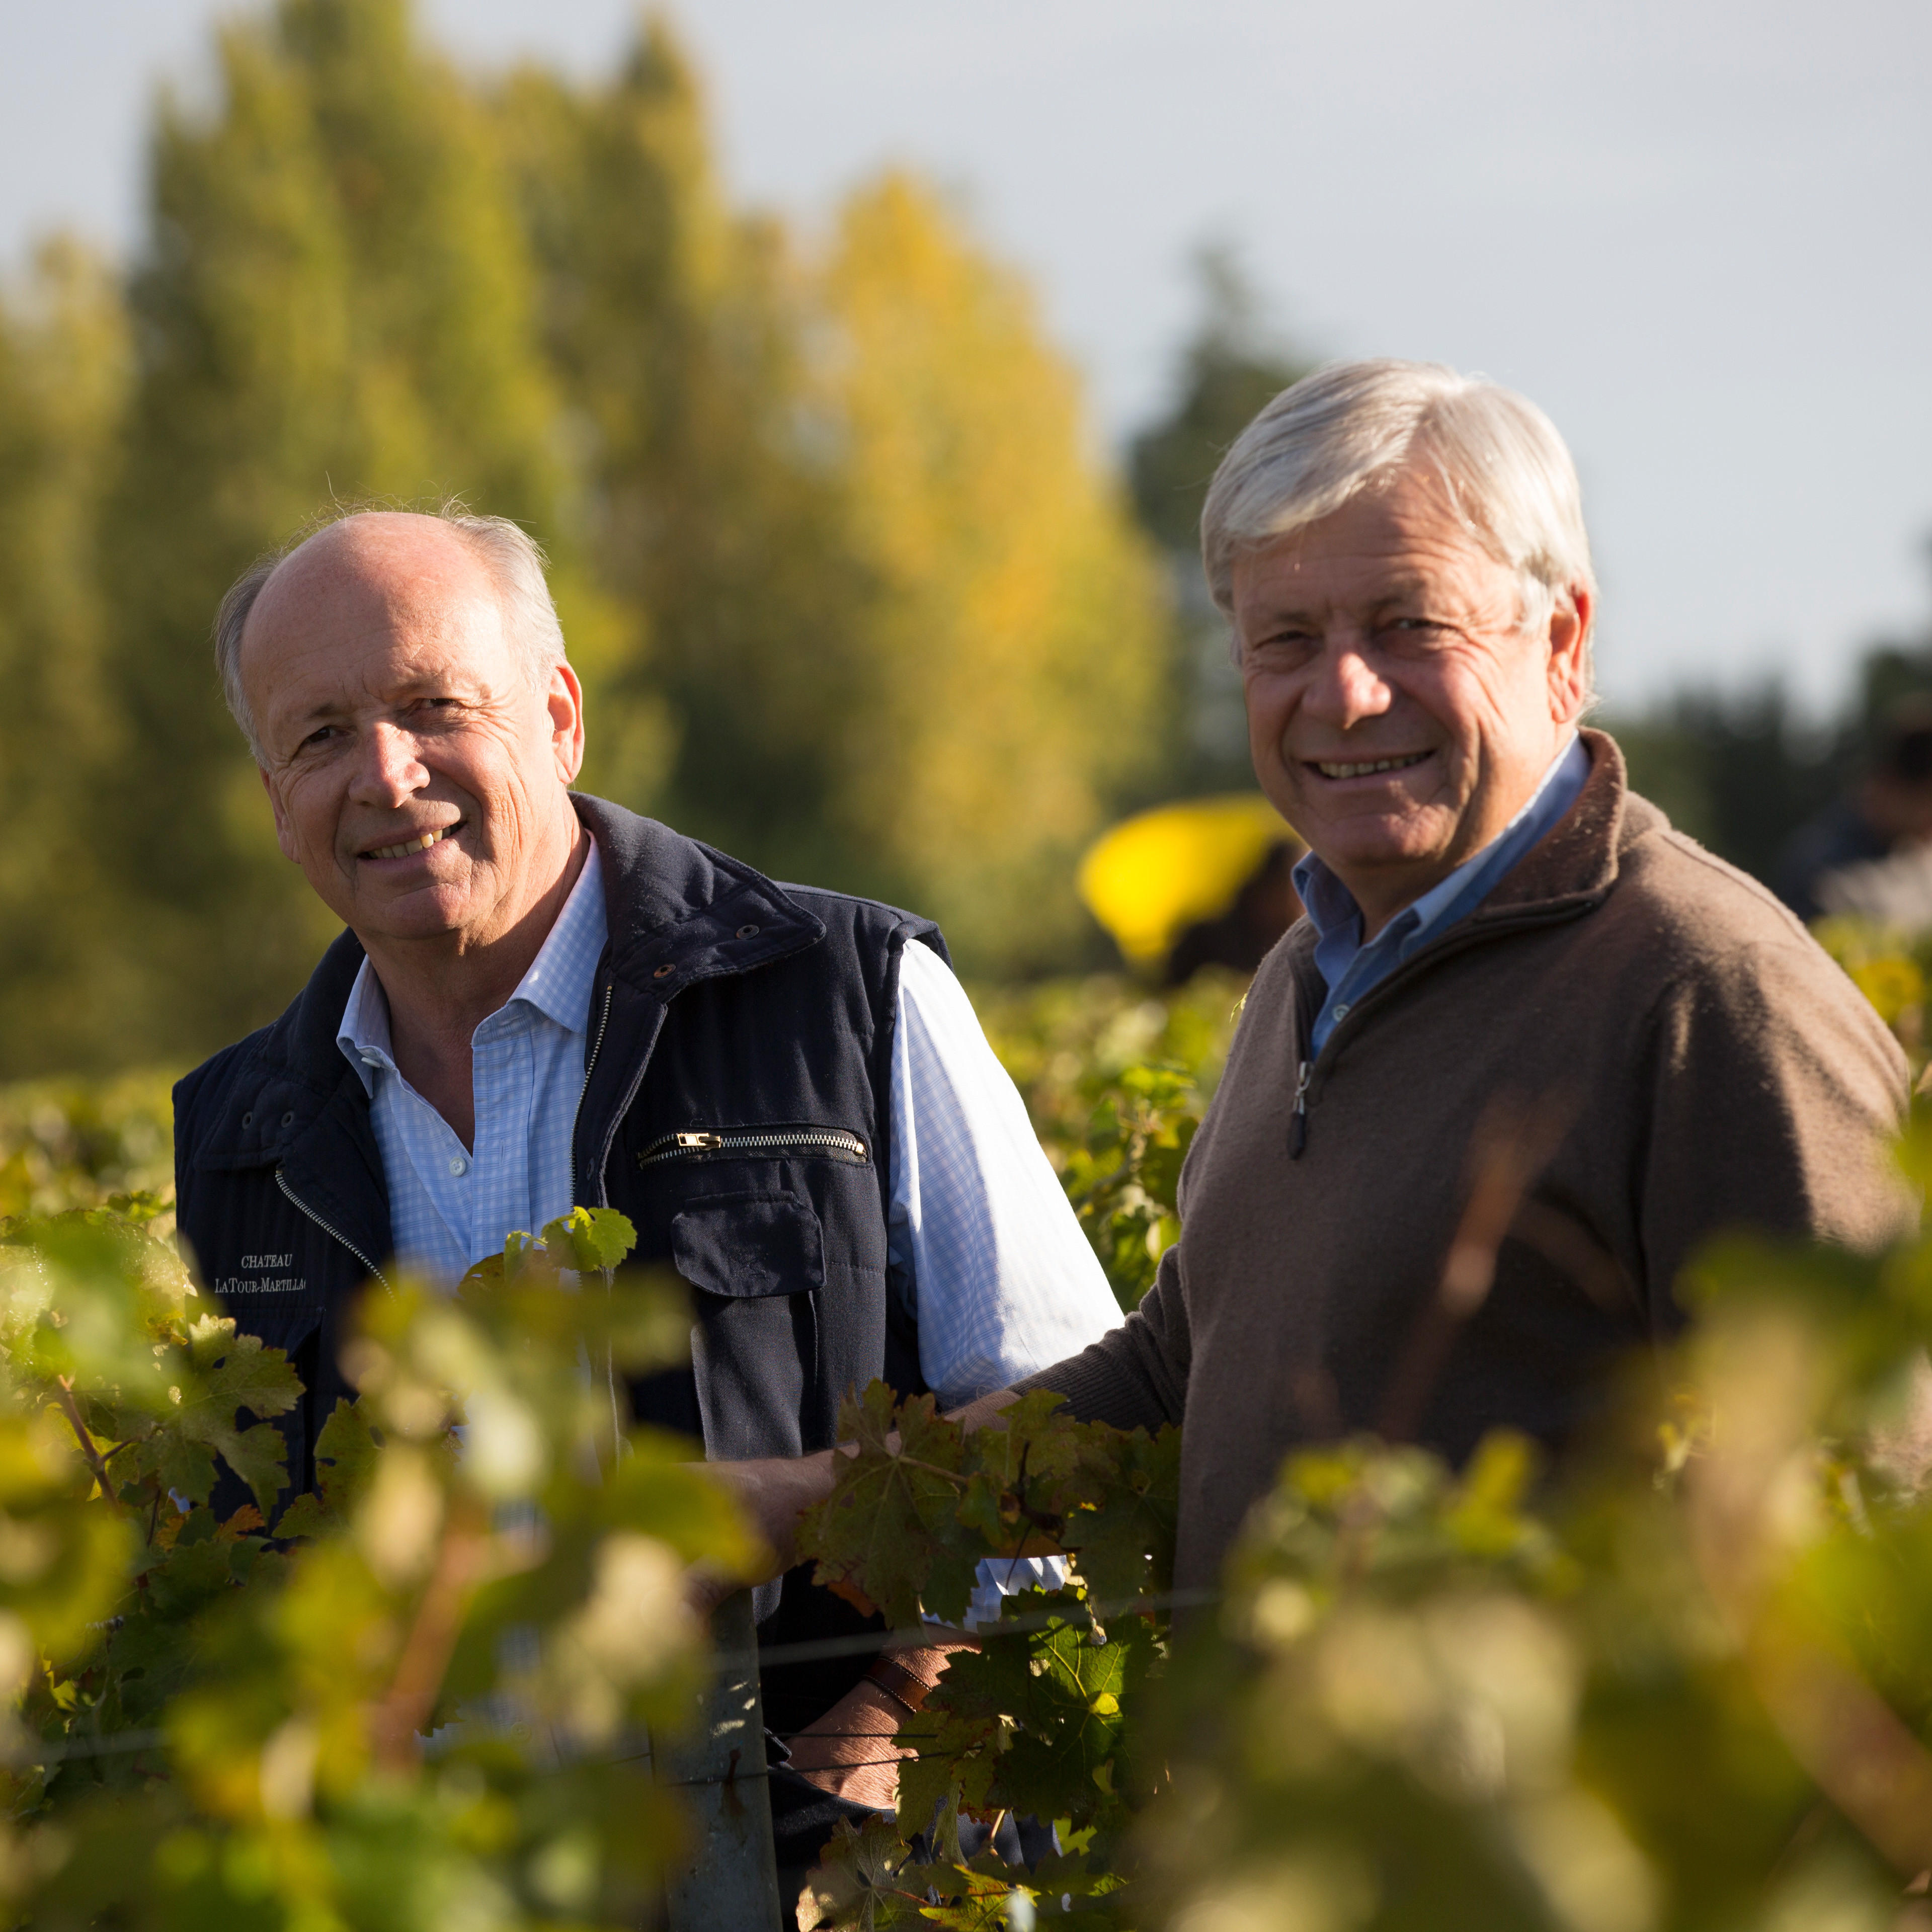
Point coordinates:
[[543, 1000], [1512, 972]]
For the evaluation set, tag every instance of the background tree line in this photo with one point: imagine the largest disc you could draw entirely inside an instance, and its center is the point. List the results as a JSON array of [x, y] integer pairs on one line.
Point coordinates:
[[853, 590]]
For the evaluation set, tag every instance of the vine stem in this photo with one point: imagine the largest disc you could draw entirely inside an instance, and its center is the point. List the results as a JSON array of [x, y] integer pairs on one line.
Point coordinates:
[[95, 1460], [933, 1469], [432, 1638]]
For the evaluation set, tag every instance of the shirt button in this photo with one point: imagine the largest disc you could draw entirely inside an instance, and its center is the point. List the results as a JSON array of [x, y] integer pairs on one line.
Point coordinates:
[[457, 1165], [1342, 1011]]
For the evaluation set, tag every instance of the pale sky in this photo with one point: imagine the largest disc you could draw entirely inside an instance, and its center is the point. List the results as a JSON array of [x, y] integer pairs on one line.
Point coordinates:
[[1695, 231]]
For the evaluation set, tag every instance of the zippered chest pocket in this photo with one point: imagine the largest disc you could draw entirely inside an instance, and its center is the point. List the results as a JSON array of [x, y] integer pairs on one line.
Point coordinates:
[[764, 1142]]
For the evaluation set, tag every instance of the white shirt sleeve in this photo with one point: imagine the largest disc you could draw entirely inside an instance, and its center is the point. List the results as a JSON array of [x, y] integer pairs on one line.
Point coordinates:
[[1003, 1281]]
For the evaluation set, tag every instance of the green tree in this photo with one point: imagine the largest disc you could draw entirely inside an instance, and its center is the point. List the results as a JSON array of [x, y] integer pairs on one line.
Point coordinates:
[[864, 562], [334, 301], [1739, 771], [63, 365], [1007, 682], [675, 327]]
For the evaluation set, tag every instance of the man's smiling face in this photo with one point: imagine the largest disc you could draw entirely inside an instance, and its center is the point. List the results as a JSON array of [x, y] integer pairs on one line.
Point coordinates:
[[418, 778], [1398, 715]]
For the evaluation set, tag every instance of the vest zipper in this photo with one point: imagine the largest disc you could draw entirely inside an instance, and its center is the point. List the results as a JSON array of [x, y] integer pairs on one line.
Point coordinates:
[[596, 1048], [833, 1140], [617, 1439], [334, 1233]]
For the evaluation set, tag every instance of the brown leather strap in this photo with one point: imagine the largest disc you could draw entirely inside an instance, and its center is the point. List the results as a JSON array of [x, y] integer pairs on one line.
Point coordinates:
[[897, 1681]]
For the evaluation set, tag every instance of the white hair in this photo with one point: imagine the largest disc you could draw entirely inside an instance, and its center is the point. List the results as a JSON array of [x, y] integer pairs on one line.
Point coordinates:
[[514, 558], [1510, 479]]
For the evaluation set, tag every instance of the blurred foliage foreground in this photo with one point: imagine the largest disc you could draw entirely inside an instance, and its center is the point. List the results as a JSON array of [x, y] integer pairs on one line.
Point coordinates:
[[209, 1726], [1685, 1682]]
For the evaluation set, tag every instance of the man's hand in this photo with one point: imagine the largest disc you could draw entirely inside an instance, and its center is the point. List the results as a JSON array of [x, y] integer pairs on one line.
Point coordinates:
[[850, 1751], [773, 1491]]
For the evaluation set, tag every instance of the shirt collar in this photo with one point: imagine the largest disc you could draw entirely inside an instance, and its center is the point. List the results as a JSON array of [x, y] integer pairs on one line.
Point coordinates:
[[1331, 906], [558, 984], [561, 976]]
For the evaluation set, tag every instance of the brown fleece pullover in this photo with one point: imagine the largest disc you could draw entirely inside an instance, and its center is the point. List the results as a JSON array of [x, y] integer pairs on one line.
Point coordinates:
[[1664, 1047]]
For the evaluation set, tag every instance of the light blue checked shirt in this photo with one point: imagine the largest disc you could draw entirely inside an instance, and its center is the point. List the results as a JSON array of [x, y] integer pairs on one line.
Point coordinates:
[[1348, 968], [1000, 1278]]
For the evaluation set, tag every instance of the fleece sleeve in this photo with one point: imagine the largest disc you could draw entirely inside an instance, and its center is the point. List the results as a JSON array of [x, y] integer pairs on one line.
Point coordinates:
[[1136, 1375], [1774, 1092]]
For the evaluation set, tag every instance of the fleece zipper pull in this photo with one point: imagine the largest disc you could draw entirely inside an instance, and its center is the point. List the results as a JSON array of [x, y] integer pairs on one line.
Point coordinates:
[[1297, 1129]]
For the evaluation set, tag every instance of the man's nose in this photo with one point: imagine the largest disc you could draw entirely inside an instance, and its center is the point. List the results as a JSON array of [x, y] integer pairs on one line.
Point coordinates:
[[388, 771], [1347, 689]]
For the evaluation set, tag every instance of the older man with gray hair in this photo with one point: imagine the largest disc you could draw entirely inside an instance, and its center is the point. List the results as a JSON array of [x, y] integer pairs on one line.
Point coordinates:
[[542, 999], [1515, 986]]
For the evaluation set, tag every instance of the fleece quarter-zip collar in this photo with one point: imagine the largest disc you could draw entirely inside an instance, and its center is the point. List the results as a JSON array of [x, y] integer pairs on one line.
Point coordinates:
[[1571, 870]]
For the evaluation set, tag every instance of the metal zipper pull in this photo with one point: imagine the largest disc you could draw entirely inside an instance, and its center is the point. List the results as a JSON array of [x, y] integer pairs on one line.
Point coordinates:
[[1298, 1127], [772, 1143]]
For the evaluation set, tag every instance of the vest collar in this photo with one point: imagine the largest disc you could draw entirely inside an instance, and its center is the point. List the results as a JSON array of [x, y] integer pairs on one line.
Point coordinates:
[[678, 911]]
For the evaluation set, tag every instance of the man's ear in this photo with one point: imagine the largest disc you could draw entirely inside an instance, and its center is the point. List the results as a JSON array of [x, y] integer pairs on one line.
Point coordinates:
[[1570, 624], [564, 701], [284, 836]]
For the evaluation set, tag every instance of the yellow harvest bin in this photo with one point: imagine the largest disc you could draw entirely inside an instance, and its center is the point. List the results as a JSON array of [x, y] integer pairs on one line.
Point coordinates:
[[1153, 875]]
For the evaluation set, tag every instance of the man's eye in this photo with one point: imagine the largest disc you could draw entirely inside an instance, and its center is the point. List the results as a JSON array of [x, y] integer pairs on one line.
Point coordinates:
[[1284, 644]]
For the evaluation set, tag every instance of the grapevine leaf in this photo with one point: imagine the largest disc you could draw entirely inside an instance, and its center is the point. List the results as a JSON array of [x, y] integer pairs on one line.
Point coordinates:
[[876, 1531], [588, 1239], [1034, 1434], [974, 1898], [240, 1373], [856, 1885], [186, 1469], [953, 1766], [259, 1456], [1064, 1695], [244, 1522], [486, 1274], [1072, 1756], [345, 1464], [142, 1205], [221, 1375], [1124, 1543]]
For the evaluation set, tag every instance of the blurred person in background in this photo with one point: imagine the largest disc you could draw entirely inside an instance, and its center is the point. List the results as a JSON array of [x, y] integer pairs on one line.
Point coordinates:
[[1869, 855], [1203, 882], [543, 1000], [1514, 978], [1240, 937]]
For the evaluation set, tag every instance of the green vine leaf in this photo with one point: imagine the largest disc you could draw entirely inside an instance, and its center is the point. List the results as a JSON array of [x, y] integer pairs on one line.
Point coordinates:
[[588, 1239], [878, 1532], [1123, 1539]]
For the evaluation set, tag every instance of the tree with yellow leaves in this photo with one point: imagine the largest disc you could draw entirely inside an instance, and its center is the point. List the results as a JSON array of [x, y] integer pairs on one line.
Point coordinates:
[[1007, 682]]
